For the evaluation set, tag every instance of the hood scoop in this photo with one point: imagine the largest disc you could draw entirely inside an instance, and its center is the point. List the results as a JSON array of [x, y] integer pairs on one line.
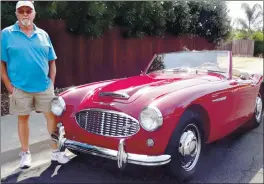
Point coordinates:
[[114, 94]]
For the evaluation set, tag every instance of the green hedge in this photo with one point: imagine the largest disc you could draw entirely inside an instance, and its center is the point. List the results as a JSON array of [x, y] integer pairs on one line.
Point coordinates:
[[258, 48], [207, 19]]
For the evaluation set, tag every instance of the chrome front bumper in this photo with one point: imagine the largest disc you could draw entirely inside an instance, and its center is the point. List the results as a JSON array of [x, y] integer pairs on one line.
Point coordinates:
[[120, 154]]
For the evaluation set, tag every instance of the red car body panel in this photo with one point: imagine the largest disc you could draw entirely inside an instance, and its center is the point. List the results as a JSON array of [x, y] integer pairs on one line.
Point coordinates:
[[172, 93]]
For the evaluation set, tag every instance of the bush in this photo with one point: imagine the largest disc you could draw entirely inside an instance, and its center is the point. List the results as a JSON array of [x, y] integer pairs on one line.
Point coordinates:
[[206, 19], [8, 16], [257, 36], [259, 49]]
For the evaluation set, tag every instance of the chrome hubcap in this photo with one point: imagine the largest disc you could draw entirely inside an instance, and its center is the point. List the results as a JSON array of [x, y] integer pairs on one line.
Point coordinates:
[[258, 109], [190, 147]]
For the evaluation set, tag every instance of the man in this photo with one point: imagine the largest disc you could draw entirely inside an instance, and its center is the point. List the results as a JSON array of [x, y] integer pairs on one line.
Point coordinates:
[[28, 71]]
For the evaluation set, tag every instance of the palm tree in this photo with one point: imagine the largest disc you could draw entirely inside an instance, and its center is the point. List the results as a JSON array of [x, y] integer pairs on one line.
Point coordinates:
[[260, 28], [254, 17]]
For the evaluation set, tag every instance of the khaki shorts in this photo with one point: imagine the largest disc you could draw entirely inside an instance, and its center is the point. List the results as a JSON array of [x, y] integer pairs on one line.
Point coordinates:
[[23, 103]]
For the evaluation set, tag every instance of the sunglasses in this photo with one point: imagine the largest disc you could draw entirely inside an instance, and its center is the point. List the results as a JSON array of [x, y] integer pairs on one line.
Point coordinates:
[[22, 11]]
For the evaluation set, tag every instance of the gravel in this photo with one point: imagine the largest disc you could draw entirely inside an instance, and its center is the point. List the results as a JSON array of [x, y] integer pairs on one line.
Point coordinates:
[[5, 99]]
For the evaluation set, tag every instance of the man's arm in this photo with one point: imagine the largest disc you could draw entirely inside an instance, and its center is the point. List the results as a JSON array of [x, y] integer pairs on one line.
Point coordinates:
[[52, 72], [5, 78], [4, 60]]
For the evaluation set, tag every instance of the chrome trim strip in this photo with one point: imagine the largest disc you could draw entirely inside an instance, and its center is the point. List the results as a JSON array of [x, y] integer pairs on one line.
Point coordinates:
[[113, 154], [110, 111], [219, 99], [120, 155], [114, 94]]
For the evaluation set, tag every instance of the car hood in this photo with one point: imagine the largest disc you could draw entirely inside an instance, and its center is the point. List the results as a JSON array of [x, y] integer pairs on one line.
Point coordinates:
[[130, 89], [127, 93]]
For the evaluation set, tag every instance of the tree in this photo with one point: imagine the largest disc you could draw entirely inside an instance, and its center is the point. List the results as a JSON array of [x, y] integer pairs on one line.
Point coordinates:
[[178, 17], [254, 16], [44, 10], [142, 18], [88, 18], [8, 16], [210, 19], [92, 18]]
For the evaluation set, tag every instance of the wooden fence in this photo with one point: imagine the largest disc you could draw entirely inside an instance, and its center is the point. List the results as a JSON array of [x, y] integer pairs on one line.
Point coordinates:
[[239, 47], [82, 60]]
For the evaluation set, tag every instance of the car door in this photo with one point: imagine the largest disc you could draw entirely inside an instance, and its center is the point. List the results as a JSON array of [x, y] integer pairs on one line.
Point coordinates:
[[222, 109], [244, 99]]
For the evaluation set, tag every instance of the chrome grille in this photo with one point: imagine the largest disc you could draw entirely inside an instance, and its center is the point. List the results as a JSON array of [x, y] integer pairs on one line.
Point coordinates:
[[107, 123]]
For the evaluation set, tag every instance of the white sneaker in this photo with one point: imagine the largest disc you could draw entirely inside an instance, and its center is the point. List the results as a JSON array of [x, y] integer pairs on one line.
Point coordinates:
[[60, 157], [26, 159]]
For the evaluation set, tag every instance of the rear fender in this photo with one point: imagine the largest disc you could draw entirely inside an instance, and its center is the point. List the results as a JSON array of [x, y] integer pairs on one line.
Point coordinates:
[[261, 90]]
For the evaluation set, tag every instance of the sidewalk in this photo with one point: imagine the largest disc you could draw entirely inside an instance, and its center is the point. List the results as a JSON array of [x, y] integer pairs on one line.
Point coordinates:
[[10, 145]]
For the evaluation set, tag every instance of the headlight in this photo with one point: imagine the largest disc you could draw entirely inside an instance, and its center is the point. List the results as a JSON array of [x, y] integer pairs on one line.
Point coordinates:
[[150, 118], [58, 106]]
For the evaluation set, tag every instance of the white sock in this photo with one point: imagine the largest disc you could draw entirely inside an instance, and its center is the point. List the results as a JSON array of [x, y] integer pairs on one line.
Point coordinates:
[[28, 152], [55, 150]]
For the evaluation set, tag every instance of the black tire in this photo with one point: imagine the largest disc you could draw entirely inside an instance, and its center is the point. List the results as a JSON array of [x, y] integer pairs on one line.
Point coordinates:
[[257, 121], [190, 119]]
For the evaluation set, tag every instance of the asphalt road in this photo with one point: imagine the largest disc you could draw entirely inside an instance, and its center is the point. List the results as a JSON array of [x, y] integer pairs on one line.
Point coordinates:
[[235, 159]]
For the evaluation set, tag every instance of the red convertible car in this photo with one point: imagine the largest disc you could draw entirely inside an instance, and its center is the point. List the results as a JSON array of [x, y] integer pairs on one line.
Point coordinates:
[[165, 115]]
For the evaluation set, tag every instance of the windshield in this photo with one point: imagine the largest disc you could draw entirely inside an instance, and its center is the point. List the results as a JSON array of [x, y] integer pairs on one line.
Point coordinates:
[[209, 61]]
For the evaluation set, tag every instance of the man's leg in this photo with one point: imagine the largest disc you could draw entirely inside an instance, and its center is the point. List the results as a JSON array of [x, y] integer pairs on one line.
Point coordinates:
[[23, 132], [42, 104], [21, 105], [51, 126]]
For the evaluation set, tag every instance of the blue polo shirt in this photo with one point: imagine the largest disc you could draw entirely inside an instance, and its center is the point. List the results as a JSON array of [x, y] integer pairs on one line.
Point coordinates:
[[27, 58]]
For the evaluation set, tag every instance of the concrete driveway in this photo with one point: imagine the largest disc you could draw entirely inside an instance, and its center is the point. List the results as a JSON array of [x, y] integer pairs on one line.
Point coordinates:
[[249, 64]]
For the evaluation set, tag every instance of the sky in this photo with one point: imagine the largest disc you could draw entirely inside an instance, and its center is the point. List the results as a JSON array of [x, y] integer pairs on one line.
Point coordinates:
[[235, 8]]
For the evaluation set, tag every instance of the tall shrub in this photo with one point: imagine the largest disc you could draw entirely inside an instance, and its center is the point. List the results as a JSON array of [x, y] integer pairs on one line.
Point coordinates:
[[207, 19], [259, 48]]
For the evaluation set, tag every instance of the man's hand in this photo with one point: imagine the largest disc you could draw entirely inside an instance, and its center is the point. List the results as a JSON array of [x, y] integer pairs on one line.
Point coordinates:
[[5, 78], [10, 88]]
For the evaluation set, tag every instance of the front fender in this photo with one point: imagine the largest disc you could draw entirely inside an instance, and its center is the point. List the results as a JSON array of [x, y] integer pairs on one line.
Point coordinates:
[[174, 104]]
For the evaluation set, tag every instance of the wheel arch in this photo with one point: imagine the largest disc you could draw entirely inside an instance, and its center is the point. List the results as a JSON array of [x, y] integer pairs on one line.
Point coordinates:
[[192, 112], [205, 118]]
